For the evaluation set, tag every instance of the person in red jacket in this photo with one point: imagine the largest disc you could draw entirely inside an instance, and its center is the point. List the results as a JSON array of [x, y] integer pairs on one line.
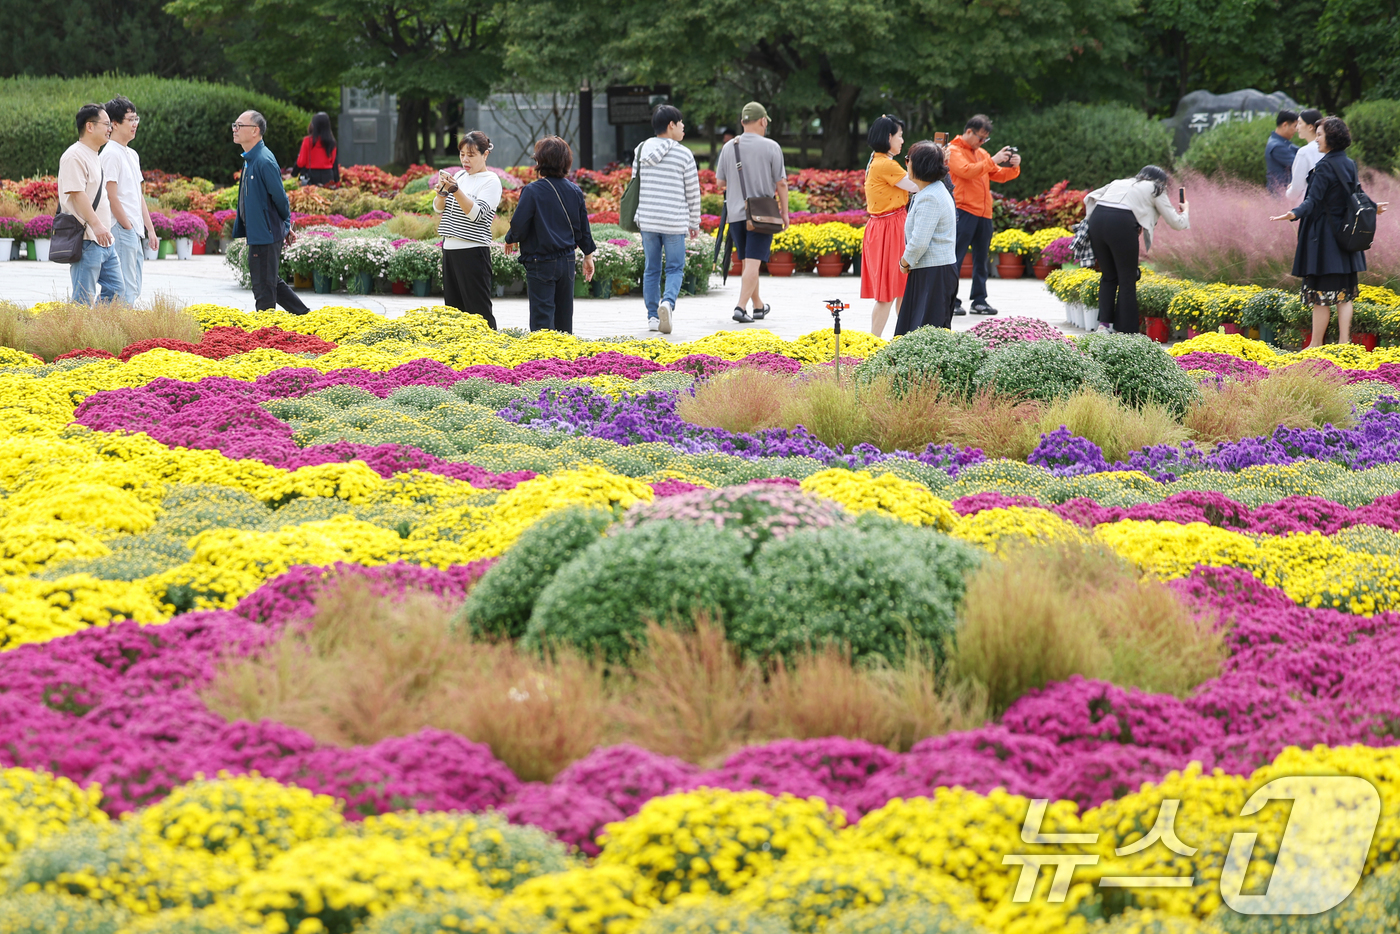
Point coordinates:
[[973, 170], [316, 163]]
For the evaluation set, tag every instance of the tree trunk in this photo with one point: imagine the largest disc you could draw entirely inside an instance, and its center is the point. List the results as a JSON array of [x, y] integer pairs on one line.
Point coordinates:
[[837, 139], [412, 110]]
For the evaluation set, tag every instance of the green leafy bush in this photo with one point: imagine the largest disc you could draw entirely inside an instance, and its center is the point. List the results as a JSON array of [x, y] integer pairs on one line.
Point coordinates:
[[1375, 133], [951, 357], [500, 603], [1041, 370], [1141, 371], [868, 588], [1232, 150], [505, 854], [659, 570], [1090, 145], [710, 916], [184, 124], [1155, 294], [455, 913]]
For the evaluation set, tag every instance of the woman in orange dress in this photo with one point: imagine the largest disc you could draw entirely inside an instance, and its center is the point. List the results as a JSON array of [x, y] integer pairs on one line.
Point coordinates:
[[887, 189]]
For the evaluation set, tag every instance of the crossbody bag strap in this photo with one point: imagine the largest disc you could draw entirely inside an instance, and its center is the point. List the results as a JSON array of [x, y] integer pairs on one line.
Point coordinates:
[[566, 210], [96, 199], [739, 167]]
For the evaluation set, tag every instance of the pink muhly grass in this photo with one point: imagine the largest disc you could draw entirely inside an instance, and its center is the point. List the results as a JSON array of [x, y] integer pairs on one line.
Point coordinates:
[[1231, 238]]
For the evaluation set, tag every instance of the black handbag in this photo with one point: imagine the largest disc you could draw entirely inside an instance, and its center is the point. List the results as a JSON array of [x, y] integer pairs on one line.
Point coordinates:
[[765, 215], [66, 240]]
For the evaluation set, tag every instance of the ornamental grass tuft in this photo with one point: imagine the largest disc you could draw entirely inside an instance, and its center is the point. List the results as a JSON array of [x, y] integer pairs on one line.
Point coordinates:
[[829, 408], [1307, 394], [740, 400], [55, 328], [1048, 613], [1116, 428]]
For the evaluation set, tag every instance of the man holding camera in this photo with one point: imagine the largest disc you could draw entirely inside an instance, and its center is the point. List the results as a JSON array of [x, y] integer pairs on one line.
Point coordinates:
[[973, 170]]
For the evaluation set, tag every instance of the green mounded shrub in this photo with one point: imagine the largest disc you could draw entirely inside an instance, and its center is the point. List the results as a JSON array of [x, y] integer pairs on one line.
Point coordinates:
[[1373, 906], [133, 557], [42, 913], [711, 916], [1375, 133], [758, 513], [1041, 370], [951, 357], [184, 124], [663, 570], [505, 854], [1155, 294], [902, 917], [455, 913], [1141, 371], [1087, 144], [500, 604], [868, 588], [1232, 150]]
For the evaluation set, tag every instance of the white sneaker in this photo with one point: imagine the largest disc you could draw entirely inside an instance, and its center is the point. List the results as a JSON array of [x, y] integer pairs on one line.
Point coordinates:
[[665, 310], [654, 324], [1104, 329]]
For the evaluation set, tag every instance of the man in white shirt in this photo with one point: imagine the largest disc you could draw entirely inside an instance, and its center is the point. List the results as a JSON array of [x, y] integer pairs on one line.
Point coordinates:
[[1309, 126], [121, 167], [82, 194]]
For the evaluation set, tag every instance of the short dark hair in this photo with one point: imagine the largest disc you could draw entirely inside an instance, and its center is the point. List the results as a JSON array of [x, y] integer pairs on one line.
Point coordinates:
[[926, 161], [1156, 175], [881, 129], [118, 107], [662, 118], [1338, 134], [1285, 116], [475, 138], [553, 157], [1311, 117], [88, 113], [978, 122]]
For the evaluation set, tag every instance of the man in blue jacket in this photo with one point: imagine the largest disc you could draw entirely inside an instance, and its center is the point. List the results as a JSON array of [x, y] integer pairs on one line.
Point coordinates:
[[264, 216], [1279, 153]]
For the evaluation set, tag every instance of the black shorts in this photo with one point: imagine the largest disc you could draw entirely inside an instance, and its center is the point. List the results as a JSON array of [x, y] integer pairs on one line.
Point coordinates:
[[750, 245]]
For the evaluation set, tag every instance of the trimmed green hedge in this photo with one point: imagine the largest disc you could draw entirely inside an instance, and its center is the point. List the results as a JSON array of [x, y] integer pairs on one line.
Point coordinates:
[[1090, 145], [184, 124], [1375, 133], [1233, 150]]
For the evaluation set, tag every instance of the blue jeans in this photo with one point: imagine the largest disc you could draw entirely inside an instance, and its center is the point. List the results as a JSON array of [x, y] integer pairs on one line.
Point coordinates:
[[975, 232], [654, 245], [130, 250], [100, 265]]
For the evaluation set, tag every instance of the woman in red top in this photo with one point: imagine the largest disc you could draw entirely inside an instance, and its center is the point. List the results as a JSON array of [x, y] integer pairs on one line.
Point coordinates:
[[316, 163]]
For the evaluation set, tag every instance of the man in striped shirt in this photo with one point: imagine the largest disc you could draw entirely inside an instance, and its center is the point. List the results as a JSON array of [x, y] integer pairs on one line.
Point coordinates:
[[668, 208]]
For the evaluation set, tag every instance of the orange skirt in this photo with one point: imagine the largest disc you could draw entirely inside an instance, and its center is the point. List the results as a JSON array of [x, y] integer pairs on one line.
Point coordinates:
[[880, 251]]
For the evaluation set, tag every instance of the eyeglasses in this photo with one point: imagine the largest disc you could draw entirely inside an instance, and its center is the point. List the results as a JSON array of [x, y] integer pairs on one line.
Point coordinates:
[[246, 126], [131, 119]]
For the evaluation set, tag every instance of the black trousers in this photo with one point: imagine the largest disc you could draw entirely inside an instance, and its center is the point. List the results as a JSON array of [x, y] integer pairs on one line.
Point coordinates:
[[974, 232], [551, 286], [928, 298], [269, 291], [1113, 233], [467, 282]]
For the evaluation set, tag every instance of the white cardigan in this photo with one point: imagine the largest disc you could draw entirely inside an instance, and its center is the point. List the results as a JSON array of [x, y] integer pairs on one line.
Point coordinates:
[[1137, 197]]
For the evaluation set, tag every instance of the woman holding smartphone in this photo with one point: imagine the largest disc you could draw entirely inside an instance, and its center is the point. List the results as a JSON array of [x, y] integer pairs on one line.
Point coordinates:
[[887, 190], [467, 201]]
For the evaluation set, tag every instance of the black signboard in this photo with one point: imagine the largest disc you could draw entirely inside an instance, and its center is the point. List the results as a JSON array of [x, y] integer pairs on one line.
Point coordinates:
[[633, 103]]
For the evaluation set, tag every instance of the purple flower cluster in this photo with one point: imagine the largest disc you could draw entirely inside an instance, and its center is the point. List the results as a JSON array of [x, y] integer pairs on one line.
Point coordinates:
[[1067, 455], [1229, 366]]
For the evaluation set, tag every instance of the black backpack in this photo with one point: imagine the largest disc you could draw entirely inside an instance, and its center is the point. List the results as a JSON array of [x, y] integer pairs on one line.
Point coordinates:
[[1359, 223]]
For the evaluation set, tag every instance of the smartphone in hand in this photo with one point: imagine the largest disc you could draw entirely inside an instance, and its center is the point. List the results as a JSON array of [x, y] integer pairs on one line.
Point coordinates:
[[1181, 196], [940, 138]]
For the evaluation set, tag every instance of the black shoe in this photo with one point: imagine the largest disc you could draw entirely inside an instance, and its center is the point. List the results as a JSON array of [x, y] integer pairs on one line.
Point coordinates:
[[982, 308], [760, 313], [742, 316], [959, 310]]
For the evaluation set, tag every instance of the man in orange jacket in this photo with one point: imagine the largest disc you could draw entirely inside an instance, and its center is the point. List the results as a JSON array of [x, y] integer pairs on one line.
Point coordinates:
[[973, 170]]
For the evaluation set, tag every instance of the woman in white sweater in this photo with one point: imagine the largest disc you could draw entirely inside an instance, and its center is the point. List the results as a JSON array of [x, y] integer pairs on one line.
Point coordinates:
[[1116, 213], [668, 209], [467, 201]]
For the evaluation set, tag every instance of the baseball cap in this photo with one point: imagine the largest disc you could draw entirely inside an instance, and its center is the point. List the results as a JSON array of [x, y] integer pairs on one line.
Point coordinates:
[[753, 110]]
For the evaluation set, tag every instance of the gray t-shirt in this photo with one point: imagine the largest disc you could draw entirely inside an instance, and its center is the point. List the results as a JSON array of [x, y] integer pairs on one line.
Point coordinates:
[[763, 169]]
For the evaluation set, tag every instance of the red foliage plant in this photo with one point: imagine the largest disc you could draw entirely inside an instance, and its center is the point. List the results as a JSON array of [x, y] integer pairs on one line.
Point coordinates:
[[38, 191], [1057, 206], [220, 342], [829, 190]]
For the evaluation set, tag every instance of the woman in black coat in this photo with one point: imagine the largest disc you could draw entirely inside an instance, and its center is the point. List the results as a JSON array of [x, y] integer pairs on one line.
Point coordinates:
[[1328, 271]]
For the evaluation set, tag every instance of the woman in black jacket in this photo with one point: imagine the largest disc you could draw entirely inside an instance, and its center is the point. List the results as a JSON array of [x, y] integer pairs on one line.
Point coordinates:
[[1328, 271]]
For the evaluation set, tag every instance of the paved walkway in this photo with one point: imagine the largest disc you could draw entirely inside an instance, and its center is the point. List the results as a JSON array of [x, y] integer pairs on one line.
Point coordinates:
[[797, 301]]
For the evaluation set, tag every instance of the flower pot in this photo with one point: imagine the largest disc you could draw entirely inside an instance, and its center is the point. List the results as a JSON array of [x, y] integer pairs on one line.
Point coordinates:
[[855, 264], [1304, 339], [581, 286], [15, 245], [1192, 332], [199, 248], [965, 271], [398, 287], [1365, 340], [6, 248], [149, 253], [1041, 270], [420, 287], [1268, 333], [1156, 329], [736, 265], [515, 287], [323, 283], [1010, 259], [1231, 327], [601, 288], [41, 249], [500, 291], [781, 264], [166, 248], [1252, 334], [1014, 270], [690, 284], [300, 281], [830, 264], [360, 283]]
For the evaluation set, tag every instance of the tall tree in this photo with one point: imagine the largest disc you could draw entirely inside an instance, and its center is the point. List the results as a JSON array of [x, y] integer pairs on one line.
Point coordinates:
[[419, 50]]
